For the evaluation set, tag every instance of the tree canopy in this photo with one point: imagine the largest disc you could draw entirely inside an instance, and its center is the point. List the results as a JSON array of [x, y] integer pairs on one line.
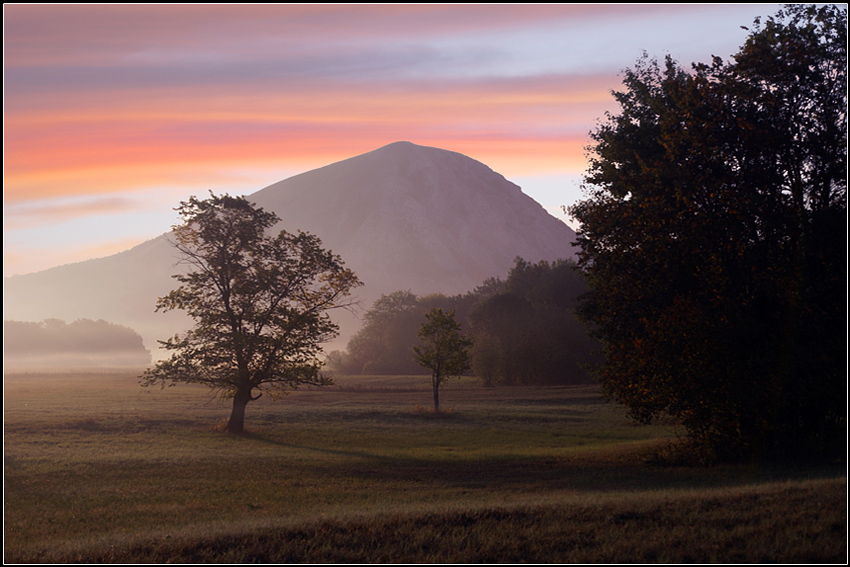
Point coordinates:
[[259, 303], [523, 328], [713, 239], [383, 344], [526, 333], [443, 349]]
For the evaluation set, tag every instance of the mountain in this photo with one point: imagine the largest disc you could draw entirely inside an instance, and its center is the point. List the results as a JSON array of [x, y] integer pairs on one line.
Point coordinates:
[[402, 217]]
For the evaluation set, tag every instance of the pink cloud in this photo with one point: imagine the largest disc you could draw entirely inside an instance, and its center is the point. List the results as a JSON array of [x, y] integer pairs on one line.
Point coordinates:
[[129, 139], [92, 34], [49, 211], [101, 100]]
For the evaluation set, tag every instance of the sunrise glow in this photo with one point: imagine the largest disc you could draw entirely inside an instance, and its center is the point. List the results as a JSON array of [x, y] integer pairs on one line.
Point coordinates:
[[145, 105]]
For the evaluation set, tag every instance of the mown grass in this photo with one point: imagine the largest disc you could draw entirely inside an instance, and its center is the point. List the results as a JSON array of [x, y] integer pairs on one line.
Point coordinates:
[[100, 470]]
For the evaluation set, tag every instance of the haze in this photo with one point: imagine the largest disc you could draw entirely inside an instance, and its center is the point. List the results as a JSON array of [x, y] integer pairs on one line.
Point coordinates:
[[113, 114], [402, 216]]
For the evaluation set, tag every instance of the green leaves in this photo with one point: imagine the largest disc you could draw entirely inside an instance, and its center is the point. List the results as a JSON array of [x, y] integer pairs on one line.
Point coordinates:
[[443, 350]]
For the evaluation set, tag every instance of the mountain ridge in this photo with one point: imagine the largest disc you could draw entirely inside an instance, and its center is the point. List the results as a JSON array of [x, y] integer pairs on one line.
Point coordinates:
[[403, 216]]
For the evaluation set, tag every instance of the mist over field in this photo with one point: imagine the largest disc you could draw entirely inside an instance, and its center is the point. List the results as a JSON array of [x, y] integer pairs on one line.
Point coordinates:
[[55, 344], [403, 356]]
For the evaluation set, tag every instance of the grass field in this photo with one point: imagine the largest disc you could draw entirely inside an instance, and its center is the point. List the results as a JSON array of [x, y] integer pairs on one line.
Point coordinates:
[[98, 469]]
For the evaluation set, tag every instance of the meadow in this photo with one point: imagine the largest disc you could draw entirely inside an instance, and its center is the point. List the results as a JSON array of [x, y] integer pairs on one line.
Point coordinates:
[[98, 469]]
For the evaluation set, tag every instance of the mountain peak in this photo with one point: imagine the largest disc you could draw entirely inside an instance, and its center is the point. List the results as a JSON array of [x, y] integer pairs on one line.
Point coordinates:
[[400, 144], [403, 216], [419, 218]]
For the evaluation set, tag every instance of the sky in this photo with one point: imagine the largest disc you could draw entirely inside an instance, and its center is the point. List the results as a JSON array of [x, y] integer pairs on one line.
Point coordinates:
[[113, 114]]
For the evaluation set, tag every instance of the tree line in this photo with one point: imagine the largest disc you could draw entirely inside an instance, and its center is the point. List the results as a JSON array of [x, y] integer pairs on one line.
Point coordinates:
[[53, 341], [523, 329]]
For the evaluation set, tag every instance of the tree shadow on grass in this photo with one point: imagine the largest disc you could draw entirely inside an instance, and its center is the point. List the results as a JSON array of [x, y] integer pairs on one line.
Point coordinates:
[[611, 469]]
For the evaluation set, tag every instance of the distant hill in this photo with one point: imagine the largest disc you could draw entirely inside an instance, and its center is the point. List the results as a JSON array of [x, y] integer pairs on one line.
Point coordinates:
[[402, 217], [83, 343]]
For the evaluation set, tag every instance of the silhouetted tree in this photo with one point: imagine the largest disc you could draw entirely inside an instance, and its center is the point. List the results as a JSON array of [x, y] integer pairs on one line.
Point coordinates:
[[384, 344], [443, 349], [504, 332], [713, 238], [524, 328], [259, 303]]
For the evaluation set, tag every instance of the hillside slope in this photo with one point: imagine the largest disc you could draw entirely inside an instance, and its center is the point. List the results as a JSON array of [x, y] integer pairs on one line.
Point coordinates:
[[402, 217]]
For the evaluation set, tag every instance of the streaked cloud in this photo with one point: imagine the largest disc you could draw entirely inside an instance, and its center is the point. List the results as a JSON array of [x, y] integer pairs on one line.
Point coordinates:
[[102, 102], [97, 34], [29, 213], [113, 145]]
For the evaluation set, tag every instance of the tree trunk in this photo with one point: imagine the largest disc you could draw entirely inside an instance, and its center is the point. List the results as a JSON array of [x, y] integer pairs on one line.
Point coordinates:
[[236, 423], [436, 384]]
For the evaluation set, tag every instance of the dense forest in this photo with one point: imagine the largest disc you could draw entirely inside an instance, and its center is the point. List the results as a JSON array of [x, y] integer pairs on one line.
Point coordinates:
[[523, 328]]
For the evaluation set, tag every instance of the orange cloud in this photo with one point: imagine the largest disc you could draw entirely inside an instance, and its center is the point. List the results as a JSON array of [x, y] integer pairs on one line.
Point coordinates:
[[153, 137], [112, 98], [101, 100]]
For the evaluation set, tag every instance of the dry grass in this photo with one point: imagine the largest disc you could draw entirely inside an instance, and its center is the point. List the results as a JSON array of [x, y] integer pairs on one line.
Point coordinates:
[[747, 526], [99, 470]]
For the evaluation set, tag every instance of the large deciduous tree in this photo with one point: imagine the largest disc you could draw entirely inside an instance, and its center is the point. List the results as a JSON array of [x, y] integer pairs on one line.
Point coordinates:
[[443, 349], [259, 303], [713, 236]]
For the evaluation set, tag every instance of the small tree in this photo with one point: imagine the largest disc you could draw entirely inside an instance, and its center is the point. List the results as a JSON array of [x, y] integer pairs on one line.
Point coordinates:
[[259, 303], [444, 350]]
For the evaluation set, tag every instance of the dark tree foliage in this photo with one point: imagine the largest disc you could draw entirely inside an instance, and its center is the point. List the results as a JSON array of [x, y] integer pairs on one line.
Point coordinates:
[[384, 344], [259, 303], [524, 329], [526, 332], [443, 349], [713, 238]]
